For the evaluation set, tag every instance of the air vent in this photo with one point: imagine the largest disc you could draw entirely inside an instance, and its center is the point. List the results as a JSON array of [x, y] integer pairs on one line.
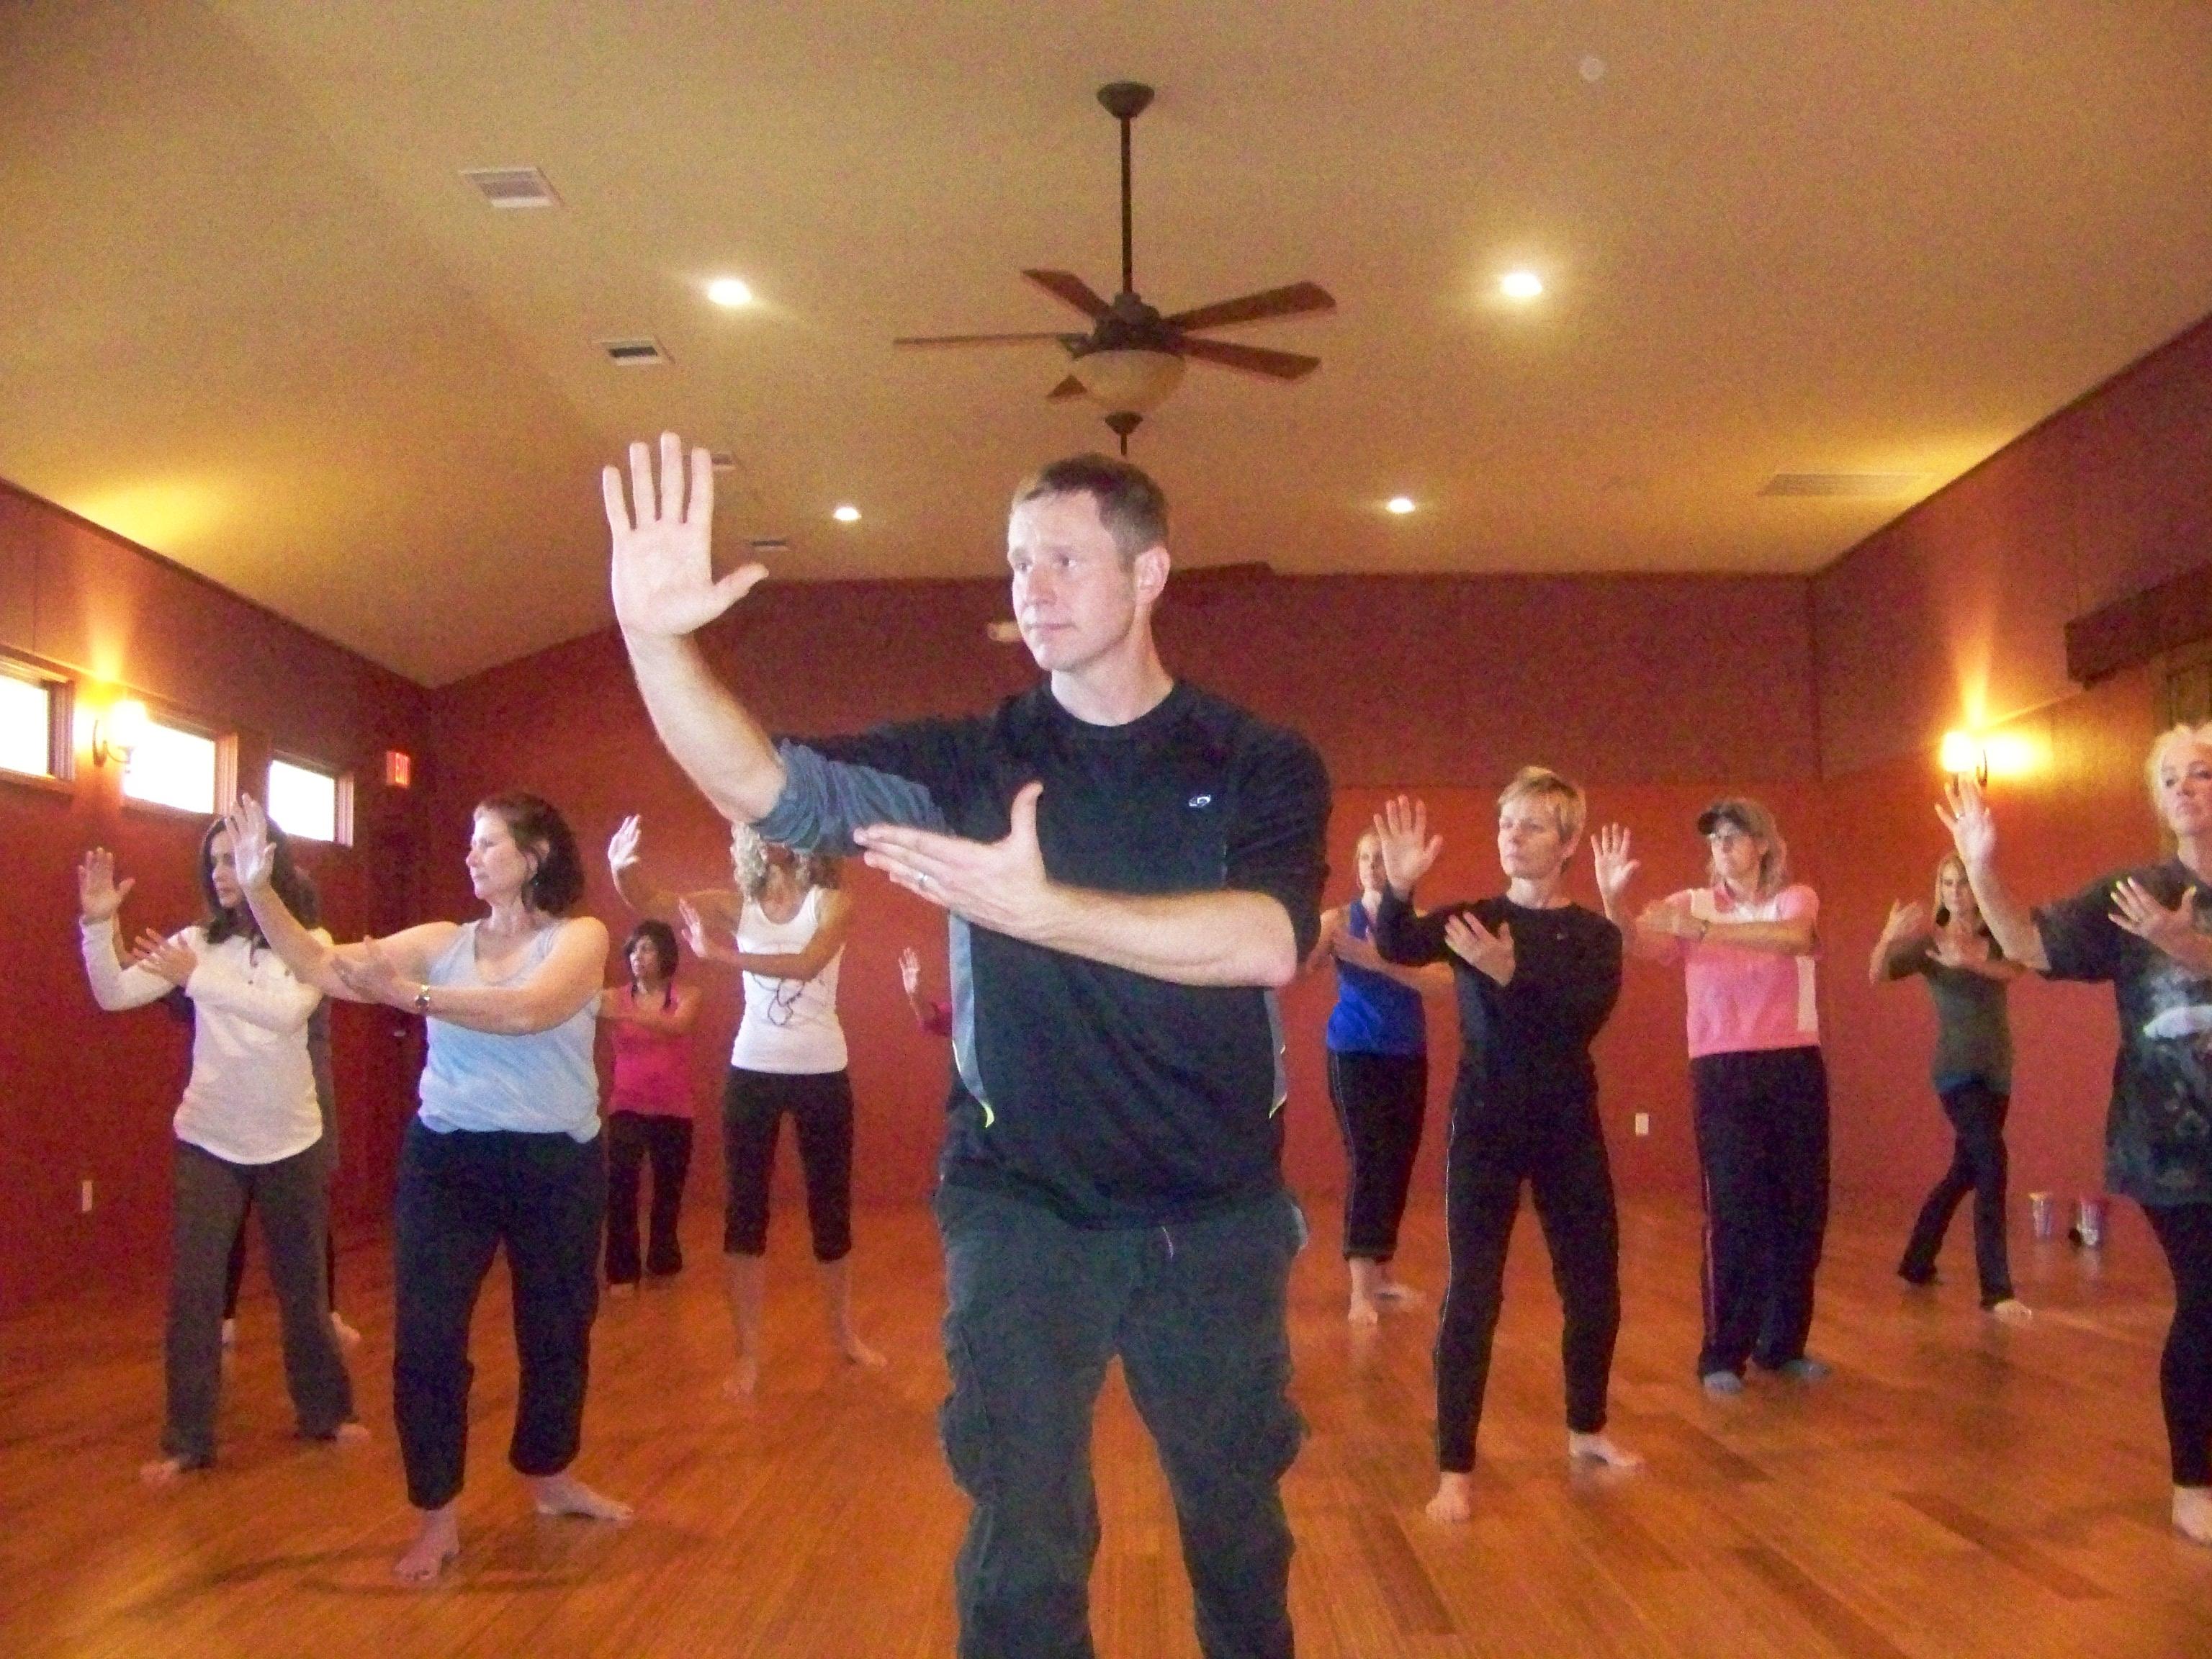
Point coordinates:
[[512, 187], [768, 546], [724, 460], [642, 353], [1875, 485]]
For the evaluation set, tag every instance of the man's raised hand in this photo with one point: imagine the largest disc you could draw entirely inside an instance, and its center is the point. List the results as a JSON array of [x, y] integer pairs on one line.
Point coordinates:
[[664, 579], [1401, 830]]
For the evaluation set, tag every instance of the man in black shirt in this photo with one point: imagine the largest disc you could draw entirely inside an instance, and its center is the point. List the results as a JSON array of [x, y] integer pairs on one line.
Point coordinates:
[[1130, 867]]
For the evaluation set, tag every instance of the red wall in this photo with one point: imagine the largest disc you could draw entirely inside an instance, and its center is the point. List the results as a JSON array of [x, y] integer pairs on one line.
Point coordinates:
[[1953, 617], [89, 1095], [1442, 686]]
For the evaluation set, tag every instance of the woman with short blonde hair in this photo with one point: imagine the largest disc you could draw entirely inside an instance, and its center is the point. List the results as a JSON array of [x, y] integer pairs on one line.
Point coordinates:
[[2144, 931]]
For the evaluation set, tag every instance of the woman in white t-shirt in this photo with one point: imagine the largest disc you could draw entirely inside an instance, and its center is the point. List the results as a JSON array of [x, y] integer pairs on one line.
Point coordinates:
[[249, 1129], [787, 920]]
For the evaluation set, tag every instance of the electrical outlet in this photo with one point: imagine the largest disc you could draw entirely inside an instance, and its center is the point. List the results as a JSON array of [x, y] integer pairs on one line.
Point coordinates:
[[84, 1198], [1642, 1127]]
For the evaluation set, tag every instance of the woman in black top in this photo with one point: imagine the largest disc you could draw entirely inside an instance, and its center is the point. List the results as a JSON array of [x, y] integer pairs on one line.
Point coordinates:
[[2148, 933], [1966, 976], [1537, 976]]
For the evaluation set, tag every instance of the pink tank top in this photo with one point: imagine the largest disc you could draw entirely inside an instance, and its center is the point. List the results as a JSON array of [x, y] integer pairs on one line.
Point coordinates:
[[652, 1069]]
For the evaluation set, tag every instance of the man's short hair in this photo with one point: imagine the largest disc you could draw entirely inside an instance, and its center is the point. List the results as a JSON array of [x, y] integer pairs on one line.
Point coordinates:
[[1570, 807], [1133, 509]]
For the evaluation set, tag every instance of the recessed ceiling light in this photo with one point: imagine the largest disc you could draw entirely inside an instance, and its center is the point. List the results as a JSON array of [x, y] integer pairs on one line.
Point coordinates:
[[1401, 505], [1521, 285], [846, 514], [729, 291]]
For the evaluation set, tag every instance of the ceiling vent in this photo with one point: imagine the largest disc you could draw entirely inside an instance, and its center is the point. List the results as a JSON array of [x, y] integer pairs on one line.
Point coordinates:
[[512, 187], [1864, 484], [724, 460], [643, 352], [769, 546]]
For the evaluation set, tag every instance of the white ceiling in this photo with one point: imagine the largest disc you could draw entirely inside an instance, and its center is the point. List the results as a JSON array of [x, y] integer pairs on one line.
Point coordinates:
[[251, 316]]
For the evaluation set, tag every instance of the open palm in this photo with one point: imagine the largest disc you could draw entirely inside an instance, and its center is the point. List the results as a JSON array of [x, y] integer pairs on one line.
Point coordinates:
[[1401, 832], [663, 578]]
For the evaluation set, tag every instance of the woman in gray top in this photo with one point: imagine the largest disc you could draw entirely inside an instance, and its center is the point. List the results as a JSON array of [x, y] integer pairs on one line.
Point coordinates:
[[1966, 976]]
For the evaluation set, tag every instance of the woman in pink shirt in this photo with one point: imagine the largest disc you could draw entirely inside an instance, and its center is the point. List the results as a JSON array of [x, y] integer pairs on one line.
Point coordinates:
[[649, 1023], [1746, 941]]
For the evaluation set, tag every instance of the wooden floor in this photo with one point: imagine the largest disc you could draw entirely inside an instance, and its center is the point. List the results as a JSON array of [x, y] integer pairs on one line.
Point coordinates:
[[1954, 1490]]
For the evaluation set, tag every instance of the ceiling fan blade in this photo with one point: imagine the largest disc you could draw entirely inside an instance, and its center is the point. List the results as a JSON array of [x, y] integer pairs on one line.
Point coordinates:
[[1069, 387], [1297, 299], [977, 339], [1254, 360], [1065, 285]]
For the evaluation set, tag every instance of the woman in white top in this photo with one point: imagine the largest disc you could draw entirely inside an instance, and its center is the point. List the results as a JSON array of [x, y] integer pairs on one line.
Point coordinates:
[[504, 1153], [248, 1127], [788, 919]]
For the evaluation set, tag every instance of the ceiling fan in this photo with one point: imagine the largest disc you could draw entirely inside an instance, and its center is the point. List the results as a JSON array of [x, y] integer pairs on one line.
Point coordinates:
[[1132, 357]]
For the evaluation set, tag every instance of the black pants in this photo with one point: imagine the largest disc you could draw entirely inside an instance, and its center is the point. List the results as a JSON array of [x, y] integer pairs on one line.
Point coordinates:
[[1558, 1149], [1381, 1101], [1762, 1120], [1978, 1166], [211, 1195], [632, 1138], [234, 1275], [1035, 1310], [463, 1194], [821, 1107], [2184, 1372]]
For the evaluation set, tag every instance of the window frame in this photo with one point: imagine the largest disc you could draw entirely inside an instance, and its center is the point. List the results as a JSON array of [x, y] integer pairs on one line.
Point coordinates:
[[61, 724], [226, 766], [341, 801]]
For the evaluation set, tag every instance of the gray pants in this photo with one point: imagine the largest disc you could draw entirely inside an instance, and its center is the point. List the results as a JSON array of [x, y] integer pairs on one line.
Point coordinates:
[[211, 1196]]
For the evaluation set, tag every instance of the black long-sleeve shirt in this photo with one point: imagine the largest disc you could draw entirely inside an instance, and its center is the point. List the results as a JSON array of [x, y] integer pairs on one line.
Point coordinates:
[[1525, 1042], [1110, 1097]]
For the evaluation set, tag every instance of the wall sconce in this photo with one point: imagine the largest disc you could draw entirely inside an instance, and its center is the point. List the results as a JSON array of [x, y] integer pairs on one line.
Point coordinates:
[[398, 768], [119, 731], [1963, 752]]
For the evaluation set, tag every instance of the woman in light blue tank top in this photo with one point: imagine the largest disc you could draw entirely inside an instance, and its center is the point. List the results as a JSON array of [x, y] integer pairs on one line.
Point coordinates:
[[504, 1151]]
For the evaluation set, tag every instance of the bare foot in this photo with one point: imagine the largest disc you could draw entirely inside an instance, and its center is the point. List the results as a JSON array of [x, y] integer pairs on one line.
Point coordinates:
[[436, 1543], [564, 1494], [164, 1473], [351, 1434], [741, 1383], [2192, 1513], [858, 1352], [1364, 1312], [1398, 1294], [1600, 1449], [347, 1336], [1455, 1498], [2012, 1311], [627, 1288]]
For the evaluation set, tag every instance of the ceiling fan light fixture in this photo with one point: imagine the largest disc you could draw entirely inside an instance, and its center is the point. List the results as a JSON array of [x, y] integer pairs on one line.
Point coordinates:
[[1129, 380]]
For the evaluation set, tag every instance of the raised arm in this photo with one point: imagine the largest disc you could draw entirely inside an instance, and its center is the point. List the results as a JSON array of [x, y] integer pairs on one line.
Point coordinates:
[[100, 896], [626, 863], [1903, 937], [1965, 814], [1609, 851], [832, 922], [308, 953], [666, 591]]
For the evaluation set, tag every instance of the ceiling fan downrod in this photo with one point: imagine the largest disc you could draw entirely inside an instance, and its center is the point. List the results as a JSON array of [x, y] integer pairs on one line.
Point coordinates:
[[1125, 100]]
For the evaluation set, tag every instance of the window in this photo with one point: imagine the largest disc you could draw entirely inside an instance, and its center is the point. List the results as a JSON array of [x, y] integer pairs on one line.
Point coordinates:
[[27, 723], [308, 803], [170, 766]]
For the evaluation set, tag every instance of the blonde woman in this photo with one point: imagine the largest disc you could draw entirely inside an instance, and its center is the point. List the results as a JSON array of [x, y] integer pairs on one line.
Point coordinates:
[[2143, 931], [784, 929], [1745, 941], [1966, 976]]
